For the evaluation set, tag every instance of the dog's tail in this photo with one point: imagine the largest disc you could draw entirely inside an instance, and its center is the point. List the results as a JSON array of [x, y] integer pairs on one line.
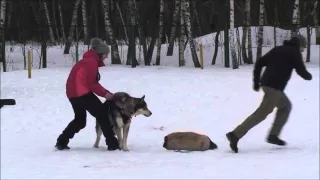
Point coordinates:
[[165, 143]]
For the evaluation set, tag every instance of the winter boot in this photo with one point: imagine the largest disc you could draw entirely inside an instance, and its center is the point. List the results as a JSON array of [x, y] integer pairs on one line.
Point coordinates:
[[62, 143], [233, 139], [273, 139], [112, 143]]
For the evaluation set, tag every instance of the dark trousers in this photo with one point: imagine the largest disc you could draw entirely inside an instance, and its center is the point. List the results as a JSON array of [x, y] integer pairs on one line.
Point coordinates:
[[95, 107]]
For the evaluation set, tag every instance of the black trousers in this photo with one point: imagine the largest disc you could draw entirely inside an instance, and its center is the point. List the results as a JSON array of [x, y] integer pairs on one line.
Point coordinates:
[[95, 107]]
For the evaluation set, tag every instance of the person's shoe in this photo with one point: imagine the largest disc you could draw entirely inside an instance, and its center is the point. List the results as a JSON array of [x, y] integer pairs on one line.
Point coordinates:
[[233, 139], [112, 143], [62, 143], [273, 139]]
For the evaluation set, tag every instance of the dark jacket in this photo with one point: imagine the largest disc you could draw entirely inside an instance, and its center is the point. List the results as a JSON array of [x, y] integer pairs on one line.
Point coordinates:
[[279, 63]]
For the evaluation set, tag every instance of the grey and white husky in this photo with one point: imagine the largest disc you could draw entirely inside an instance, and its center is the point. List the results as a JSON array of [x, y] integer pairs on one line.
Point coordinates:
[[122, 108]]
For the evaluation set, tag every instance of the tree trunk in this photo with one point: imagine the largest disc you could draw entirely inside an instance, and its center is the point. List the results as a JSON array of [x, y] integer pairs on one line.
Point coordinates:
[[181, 34], [142, 38], [309, 30], [245, 31], [196, 16], [295, 18], [260, 31], [187, 19], [235, 64], [48, 21], [216, 46], [174, 27], [238, 46], [54, 21], [131, 58], [160, 33], [123, 24], [115, 58], [316, 22], [2, 36], [61, 23], [72, 27], [85, 24]]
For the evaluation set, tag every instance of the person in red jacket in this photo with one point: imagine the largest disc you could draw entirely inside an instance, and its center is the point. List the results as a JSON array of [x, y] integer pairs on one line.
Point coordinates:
[[81, 87]]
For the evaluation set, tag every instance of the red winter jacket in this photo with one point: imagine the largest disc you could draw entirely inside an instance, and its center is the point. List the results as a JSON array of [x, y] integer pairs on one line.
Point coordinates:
[[83, 77]]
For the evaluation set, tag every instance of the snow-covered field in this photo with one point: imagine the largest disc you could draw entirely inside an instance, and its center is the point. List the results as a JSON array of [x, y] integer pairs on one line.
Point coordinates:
[[211, 101]]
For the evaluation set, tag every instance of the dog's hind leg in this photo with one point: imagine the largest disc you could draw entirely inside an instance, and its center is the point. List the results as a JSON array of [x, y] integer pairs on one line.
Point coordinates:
[[99, 133], [126, 128]]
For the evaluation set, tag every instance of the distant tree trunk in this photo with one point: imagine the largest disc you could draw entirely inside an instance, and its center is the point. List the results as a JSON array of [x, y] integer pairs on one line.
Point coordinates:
[[250, 56], [181, 34], [295, 18], [48, 21], [174, 27], [187, 19], [235, 64], [260, 31], [54, 21], [142, 38], [115, 58], [238, 45], [44, 54], [2, 36], [316, 21], [160, 33], [85, 24], [131, 58], [196, 16], [276, 24], [61, 23], [72, 27], [245, 31], [123, 23], [309, 31], [216, 46]]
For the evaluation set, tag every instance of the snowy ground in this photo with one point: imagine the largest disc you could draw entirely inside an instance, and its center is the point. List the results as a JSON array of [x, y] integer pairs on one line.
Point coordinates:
[[211, 101]]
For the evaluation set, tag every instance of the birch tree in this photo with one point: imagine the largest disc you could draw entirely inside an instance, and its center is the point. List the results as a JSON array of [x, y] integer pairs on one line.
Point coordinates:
[[245, 30], [85, 20], [2, 21], [122, 23], [54, 21], [160, 33], [72, 27], [195, 15], [250, 56], [48, 21], [260, 31], [235, 64], [181, 34], [142, 38], [295, 18], [115, 58], [174, 27], [187, 20]]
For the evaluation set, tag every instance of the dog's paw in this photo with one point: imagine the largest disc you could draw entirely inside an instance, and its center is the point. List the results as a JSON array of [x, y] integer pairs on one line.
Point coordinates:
[[95, 146], [125, 149]]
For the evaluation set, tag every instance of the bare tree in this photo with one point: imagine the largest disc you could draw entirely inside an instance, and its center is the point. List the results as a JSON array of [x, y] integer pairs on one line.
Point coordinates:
[[173, 27], [160, 33], [84, 20], [295, 18], [245, 30], [260, 31], [2, 20], [72, 27], [115, 58], [316, 21], [122, 23], [187, 19], [181, 34], [54, 21], [235, 64], [61, 22], [48, 21]]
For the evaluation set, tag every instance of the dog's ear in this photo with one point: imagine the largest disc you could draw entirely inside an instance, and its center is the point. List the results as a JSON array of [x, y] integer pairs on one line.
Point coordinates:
[[142, 99]]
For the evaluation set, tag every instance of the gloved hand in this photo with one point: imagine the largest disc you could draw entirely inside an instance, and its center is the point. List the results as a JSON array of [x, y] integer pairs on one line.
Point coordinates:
[[256, 87], [109, 96]]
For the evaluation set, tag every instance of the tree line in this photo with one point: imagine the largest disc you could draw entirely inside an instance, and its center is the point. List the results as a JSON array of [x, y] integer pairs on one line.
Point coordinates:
[[151, 23]]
